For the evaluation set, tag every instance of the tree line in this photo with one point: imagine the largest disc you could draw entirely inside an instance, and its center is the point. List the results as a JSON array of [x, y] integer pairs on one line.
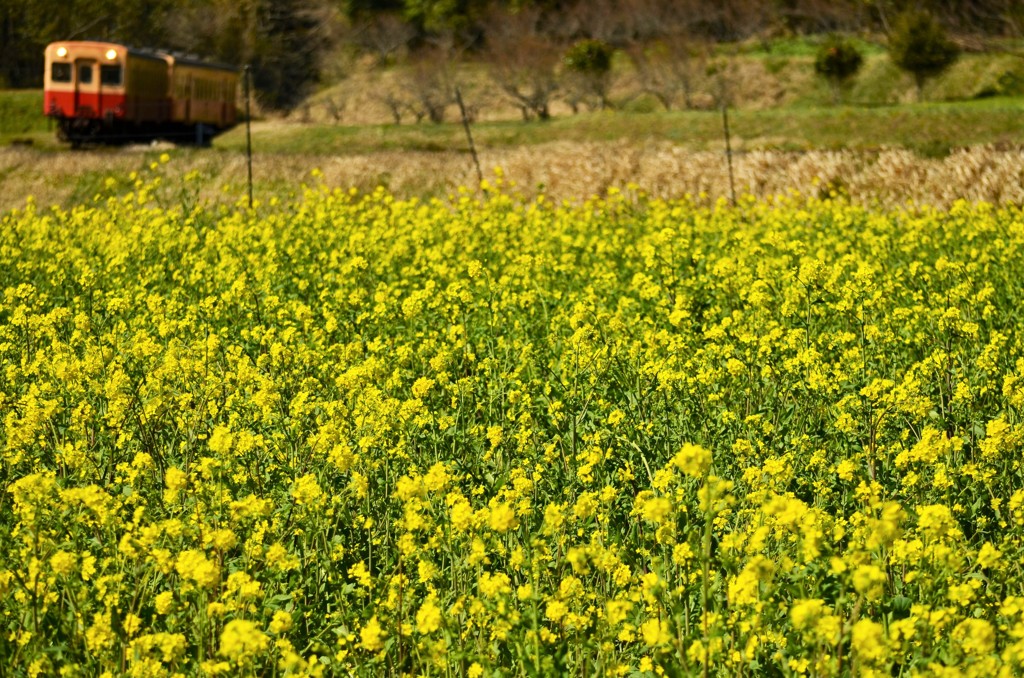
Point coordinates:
[[289, 43]]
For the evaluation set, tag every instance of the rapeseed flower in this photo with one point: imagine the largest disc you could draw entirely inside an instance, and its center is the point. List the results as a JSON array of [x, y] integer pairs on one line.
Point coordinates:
[[241, 640], [428, 617], [371, 637], [350, 434]]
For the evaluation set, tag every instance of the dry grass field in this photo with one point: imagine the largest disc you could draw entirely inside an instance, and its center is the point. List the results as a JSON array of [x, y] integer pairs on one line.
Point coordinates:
[[562, 170]]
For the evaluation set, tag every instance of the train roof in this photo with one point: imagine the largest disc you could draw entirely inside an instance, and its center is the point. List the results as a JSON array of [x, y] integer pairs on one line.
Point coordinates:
[[149, 53], [104, 45], [190, 60]]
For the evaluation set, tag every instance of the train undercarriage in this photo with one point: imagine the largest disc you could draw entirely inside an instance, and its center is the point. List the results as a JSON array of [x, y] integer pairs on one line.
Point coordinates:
[[81, 132]]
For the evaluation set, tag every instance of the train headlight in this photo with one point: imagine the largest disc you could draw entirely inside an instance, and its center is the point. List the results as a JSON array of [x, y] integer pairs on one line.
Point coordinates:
[[62, 52], [111, 54]]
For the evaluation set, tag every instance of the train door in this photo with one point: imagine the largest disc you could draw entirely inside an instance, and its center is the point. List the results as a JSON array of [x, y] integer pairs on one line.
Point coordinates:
[[190, 95], [111, 82], [87, 89], [223, 89]]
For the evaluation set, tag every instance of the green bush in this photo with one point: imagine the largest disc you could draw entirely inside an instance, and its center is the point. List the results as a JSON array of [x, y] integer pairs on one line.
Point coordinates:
[[837, 61], [1010, 83], [919, 45], [589, 57], [588, 67]]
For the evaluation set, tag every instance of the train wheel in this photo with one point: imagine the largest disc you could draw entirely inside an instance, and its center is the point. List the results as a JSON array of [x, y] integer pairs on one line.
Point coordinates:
[[64, 131], [79, 132], [204, 135]]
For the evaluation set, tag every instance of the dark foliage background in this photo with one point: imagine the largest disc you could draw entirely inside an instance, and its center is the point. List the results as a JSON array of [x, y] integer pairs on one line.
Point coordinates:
[[286, 41]]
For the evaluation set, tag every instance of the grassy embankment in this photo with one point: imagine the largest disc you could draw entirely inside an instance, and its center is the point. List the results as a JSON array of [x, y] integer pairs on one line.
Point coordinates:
[[931, 129], [21, 116]]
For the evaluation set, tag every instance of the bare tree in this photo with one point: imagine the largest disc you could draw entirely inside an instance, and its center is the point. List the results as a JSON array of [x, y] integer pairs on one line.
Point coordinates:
[[644, 21], [750, 19], [884, 10], [1008, 15], [383, 35], [335, 108], [823, 16], [666, 48], [522, 61], [397, 104], [1011, 13], [431, 85], [664, 70], [602, 20]]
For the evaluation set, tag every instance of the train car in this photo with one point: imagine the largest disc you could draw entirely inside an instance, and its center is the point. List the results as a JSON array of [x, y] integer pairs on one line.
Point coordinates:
[[110, 93], [203, 93]]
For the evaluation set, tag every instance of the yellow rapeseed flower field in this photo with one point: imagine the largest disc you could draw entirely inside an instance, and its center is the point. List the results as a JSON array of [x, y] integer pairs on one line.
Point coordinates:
[[346, 434]]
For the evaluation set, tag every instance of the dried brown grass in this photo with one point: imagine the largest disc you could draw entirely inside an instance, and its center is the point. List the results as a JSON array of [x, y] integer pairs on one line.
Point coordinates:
[[562, 170]]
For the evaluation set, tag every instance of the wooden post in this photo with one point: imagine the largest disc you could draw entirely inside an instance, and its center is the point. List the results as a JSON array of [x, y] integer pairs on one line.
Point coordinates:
[[469, 135], [728, 151], [247, 83]]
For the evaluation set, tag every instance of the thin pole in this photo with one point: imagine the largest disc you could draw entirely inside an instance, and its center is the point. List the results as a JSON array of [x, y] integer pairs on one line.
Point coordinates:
[[728, 152], [469, 135], [247, 80]]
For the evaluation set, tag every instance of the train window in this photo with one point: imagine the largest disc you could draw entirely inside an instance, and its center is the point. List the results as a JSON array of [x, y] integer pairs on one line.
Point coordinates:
[[60, 72], [110, 75], [85, 74]]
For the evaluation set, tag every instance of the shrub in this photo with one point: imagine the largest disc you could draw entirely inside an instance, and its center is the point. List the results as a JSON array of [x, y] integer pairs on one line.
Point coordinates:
[[837, 61], [592, 57], [919, 45], [588, 65]]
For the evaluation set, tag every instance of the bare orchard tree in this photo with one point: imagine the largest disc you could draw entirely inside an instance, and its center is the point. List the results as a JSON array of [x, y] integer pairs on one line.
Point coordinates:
[[430, 83], [1011, 15], [335, 108], [522, 61], [823, 16], [644, 21], [384, 35], [668, 66], [397, 103], [669, 48], [660, 75], [606, 20], [1008, 18]]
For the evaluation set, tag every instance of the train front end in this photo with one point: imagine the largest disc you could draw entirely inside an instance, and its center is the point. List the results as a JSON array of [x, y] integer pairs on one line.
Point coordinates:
[[84, 88]]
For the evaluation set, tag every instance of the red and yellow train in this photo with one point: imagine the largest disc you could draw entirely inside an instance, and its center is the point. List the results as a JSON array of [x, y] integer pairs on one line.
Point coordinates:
[[108, 93]]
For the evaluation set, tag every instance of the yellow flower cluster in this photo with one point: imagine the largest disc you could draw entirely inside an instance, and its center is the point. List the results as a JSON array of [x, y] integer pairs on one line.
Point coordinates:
[[345, 434]]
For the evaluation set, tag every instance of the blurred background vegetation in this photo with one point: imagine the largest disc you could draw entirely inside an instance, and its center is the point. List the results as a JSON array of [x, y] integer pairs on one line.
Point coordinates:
[[297, 47]]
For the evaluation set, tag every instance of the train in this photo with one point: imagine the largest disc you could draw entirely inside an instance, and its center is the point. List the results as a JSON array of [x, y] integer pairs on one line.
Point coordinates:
[[108, 93]]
